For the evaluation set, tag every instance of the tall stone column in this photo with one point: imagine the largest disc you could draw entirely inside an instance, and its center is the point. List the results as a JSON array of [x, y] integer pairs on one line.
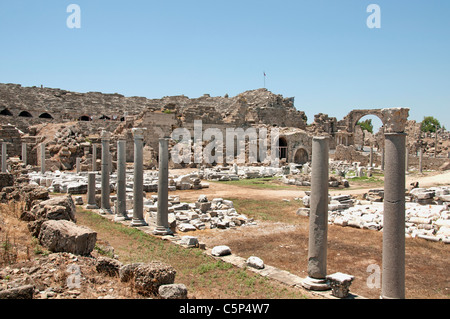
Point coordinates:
[[78, 165], [94, 157], [382, 158], [24, 154], [420, 160], [393, 270], [106, 191], [3, 157], [42, 158], [138, 187], [91, 202], [318, 218], [407, 159], [162, 216], [121, 208], [371, 157]]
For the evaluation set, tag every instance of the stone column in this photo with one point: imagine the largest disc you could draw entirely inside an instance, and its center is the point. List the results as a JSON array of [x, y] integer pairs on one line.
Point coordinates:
[[420, 160], [121, 208], [393, 270], [94, 157], [3, 157], [406, 159], [138, 187], [106, 191], [78, 165], [91, 203], [318, 219], [162, 216], [371, 157], [42, 158], [382, 158], [24, 153]]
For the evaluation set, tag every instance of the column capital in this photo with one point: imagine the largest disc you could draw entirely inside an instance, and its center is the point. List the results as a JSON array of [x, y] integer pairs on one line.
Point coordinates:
[[138, 132], [394, 119], [105, 135]]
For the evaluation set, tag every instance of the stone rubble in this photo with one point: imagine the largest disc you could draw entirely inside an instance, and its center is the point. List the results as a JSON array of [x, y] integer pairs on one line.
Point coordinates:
[[203, 214], [427, 213]]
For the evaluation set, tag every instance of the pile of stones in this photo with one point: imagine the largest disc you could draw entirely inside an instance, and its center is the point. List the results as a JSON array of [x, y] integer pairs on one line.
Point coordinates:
[[430, 222], [235, 172], [203, 214]]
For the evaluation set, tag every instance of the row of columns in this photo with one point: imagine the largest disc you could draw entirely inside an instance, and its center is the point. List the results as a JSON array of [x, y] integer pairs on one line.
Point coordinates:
[[393, 254], [162, 225]]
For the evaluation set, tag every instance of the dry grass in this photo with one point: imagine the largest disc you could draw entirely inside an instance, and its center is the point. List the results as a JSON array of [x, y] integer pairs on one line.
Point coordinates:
[[284, 244], [204, 276]]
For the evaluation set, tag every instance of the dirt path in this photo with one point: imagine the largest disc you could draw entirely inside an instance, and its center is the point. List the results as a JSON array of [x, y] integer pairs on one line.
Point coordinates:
[[233, 191]]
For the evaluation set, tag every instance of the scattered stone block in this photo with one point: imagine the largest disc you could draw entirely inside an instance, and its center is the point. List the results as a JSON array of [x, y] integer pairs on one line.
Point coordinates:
[[255, 262], [66, 236], [221, 250], [173, 291]]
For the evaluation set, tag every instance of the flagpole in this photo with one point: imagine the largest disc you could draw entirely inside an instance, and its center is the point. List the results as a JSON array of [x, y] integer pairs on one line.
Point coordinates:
[[264, 79]]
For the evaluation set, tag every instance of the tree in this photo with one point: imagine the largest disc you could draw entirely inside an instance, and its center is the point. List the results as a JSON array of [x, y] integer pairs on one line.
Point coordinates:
[[366, 125], [429, 124]]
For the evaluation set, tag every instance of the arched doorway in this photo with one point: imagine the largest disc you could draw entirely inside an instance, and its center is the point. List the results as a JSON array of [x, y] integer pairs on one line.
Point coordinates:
[[283, 148], [84, 118], [45, 116], [25, 114], [6, 112], [301, 156]]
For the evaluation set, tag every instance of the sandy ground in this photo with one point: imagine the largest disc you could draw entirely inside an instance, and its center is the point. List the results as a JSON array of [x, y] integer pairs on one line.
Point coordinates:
[[227, 191]]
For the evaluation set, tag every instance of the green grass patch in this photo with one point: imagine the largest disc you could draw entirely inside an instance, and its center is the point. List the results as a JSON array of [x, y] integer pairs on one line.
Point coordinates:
[[268, 210], [204, 276], [259, 183]]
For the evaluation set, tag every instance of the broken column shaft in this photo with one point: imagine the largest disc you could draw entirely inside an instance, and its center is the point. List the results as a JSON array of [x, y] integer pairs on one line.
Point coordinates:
[[393, 278]]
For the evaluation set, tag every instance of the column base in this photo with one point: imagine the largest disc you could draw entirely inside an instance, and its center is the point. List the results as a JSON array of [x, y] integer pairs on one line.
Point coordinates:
[[316, 284], [91, 206], [106, 211], [121, 218], [138, 222], [162, 231]]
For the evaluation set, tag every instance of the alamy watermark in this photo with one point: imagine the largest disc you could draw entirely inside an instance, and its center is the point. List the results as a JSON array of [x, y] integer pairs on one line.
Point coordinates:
[[374, 20], [191, 149], [74, 19]]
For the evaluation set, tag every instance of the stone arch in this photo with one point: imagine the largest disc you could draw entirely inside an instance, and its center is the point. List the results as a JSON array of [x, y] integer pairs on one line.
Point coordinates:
[[6, 112], [283, 148], [84, 118], [25, 114], [301, 156], [45, 115], [104, 117]]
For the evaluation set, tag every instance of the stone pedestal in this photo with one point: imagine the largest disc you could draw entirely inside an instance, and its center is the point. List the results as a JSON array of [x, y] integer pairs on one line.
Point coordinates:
[[318, 218], [393, 279], [106, 191], [91, 203], [121, 206], [162, 216], [138, 188]]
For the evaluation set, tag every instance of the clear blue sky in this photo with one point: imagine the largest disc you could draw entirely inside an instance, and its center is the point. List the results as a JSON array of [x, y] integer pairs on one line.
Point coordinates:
[[319, 51]]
